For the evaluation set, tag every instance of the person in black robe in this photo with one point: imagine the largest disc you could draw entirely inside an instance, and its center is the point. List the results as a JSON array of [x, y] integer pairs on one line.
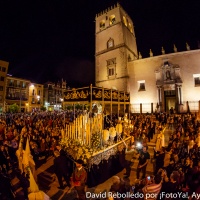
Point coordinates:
[[61, 169], [159, 156]]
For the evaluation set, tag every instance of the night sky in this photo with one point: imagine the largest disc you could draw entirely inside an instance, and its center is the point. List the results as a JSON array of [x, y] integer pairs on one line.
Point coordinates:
[[49, 40]]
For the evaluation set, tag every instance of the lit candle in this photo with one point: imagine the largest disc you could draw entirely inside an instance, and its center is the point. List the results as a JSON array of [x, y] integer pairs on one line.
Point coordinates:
[[70, 131], [76, 125], [62, 133], [82, 124], [65, 131], [88, 132]]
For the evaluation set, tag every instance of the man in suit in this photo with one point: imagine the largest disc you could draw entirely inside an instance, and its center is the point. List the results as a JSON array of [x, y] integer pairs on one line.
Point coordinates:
[[60, 169], [79, 178]]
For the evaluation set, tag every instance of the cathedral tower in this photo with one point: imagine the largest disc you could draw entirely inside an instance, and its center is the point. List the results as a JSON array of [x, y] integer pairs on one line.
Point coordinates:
[[115, 47]]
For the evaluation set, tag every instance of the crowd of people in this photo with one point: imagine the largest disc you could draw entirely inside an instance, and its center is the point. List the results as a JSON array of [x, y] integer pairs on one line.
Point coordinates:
[[42, 130], [177, 164]]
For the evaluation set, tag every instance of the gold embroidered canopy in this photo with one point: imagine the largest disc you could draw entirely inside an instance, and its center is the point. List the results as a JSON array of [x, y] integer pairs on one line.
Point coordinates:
[[95, 94]]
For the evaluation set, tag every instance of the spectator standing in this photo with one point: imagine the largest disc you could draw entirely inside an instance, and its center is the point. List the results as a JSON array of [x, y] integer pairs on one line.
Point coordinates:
[[197, 139], [159, 156], [24, 182], [151, 132], [143, 161], [44, 148], [172, 186], [4, 158], [6, 188], [79, 178], [118, 186], [167, 157], [152, 190], [60, 169], [129, 154]]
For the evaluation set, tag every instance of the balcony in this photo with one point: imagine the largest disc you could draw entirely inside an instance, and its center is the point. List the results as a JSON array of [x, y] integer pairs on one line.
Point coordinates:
[[17, 98], [12, 85]]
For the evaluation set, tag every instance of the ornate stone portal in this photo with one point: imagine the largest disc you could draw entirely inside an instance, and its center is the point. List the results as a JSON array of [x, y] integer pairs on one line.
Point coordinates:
[[169, 83]]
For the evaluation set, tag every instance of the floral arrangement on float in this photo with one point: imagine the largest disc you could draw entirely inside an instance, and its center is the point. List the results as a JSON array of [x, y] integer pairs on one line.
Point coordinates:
[[76, 149], [85, 137], [96, 141]]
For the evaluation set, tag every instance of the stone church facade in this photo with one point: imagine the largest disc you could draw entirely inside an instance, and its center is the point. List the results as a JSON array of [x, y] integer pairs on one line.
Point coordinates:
[[155, 83]]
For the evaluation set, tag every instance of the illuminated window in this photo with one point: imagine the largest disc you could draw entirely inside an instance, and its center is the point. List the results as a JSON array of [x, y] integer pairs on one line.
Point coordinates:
[[23, 84], [125, 21], [196, 80], [130, 27], [18, 83], [112, 19], [111, 71], [102, 25], [141, 85]]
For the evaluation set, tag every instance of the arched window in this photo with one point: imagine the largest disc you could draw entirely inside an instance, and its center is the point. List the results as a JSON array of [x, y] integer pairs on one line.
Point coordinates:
[[110, 43], [125, 20], [102, 24], [112, 19]]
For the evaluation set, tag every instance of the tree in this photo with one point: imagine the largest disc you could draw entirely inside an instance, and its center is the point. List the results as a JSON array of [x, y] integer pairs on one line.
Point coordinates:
[[14, 108], [43, 108]]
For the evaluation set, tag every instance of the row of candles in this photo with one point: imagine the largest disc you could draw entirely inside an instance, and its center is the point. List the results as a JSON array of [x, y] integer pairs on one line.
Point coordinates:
[[83, 127]]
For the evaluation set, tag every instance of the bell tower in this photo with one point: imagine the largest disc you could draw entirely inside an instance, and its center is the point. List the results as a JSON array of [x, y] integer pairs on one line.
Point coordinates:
[[115, 47]]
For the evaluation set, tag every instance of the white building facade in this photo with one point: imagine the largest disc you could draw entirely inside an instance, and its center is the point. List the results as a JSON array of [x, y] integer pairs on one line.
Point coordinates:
[[155, 83]]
